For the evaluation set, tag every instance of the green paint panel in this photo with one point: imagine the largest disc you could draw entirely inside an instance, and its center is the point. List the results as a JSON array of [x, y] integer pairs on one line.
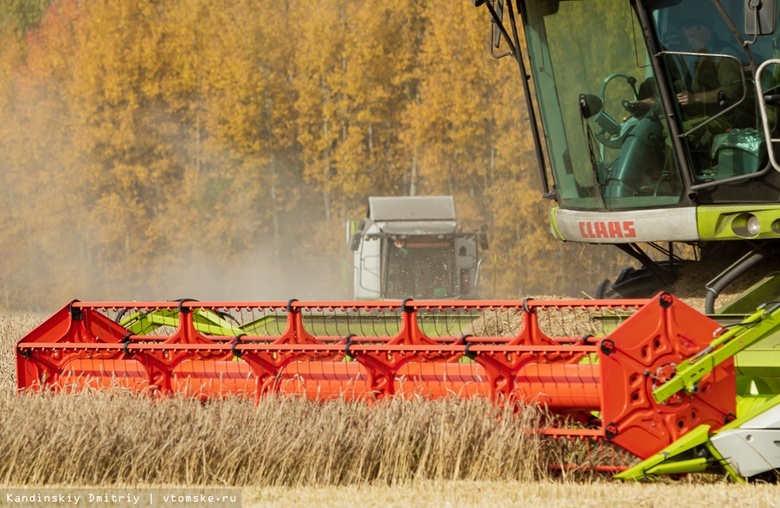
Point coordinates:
[[730, 222]]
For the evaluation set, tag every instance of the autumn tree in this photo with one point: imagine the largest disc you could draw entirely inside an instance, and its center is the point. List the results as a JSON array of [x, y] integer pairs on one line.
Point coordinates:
[[147, 143]]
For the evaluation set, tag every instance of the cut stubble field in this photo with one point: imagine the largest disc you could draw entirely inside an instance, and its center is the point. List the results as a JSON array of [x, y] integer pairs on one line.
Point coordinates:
[[292, 452]]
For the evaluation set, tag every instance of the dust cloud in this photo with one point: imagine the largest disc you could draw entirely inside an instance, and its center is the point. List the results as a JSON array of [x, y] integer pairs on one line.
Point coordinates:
[[260, 276]]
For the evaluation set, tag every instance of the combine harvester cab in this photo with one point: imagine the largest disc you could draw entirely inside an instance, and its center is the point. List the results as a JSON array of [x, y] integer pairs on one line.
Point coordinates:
[[645, 379], [414, 247]]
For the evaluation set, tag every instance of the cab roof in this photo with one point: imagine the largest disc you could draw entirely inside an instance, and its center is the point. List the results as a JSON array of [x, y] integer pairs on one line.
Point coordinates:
[[411, 208]]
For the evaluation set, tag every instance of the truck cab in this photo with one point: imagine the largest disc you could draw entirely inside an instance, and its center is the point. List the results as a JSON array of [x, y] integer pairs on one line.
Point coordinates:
[[414, 247]]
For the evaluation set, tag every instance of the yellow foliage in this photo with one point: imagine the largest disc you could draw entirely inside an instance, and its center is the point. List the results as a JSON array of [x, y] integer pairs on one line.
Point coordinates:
[[138, 135]]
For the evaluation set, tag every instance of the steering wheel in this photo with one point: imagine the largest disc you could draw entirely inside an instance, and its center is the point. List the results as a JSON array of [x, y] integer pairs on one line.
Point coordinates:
[[631, 80], [612, 134]]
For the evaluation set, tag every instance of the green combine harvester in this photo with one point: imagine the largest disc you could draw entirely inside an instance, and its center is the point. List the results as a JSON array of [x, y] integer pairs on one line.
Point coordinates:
[[660, 123]]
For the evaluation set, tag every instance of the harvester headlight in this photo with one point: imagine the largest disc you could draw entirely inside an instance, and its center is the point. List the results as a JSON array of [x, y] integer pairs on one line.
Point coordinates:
[[753, 225], [746, 225]]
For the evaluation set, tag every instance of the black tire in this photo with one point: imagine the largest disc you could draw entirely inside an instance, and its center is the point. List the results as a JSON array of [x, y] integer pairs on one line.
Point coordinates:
[[631, 283]]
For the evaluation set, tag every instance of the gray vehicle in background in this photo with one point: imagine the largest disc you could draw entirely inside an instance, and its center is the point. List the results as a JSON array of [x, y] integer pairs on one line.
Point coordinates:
[[414, 247]]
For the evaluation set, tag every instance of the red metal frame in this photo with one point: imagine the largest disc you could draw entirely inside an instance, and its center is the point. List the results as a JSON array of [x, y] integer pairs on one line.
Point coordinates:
[[610, 398]]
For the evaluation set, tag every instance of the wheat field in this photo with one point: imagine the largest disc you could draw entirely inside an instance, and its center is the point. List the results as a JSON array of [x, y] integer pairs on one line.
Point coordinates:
[[288, 451]]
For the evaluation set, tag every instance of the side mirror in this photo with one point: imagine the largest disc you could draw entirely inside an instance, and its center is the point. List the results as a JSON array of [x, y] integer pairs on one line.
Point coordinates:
[[759, 17], [590, 105], [354, 244]]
